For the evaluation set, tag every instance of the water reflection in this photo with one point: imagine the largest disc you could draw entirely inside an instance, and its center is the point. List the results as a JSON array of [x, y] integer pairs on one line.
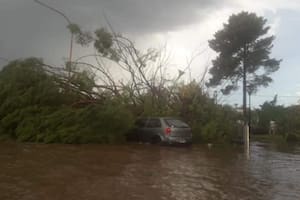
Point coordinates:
[[30, 171]]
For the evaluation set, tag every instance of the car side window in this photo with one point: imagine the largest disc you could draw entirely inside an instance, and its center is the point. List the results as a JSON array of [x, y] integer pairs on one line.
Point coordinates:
[[154, 123], [140, 123]]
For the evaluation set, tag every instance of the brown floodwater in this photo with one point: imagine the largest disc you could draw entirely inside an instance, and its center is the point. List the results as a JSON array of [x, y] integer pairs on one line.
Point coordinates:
[[135, 171]]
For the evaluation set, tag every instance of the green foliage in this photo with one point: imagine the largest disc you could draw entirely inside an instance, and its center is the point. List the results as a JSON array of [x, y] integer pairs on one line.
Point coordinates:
[[287, 119], [242, 44], [292, 137], [104, 44], [269, 111], [38, 108], [82, 38], [33, 109], [25, 83], [216, 124], [92, 124], [84, 81], [190, 103]]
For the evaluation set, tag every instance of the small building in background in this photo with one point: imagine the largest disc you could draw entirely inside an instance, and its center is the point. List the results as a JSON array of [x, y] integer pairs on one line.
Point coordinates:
[[272, 128]]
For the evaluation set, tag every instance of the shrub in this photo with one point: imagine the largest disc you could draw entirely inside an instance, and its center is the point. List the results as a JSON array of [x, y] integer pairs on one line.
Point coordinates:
[[292, 137]]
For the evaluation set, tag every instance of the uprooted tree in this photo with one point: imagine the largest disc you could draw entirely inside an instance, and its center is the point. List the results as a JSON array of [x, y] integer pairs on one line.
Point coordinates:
[[95, 97], [115, 84], [244, 47]]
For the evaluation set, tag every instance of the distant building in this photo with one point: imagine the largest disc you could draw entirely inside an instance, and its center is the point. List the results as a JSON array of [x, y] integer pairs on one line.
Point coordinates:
[[272, 128]]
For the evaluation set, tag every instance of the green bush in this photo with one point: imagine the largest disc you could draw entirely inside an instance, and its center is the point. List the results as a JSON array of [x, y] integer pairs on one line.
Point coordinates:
[[292, 137]]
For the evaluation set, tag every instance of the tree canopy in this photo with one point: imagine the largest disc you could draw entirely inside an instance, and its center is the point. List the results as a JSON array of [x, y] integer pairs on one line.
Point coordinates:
[[243, 44]]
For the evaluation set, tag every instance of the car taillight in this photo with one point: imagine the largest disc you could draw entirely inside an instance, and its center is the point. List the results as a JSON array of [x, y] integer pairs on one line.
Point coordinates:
[[168, 131]]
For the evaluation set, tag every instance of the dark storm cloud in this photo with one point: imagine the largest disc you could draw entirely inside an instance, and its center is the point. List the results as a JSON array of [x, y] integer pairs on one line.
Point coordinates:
[[148, 15], [27, 29]]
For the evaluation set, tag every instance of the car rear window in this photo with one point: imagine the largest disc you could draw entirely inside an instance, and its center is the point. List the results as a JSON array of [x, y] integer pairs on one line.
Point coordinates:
[[176, 123]]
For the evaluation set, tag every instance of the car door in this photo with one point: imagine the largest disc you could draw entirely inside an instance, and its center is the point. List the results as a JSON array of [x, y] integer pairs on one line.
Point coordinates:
[[140, 129]]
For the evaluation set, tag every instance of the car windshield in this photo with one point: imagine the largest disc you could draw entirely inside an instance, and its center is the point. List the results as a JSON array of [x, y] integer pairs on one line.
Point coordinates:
[[176, 123]]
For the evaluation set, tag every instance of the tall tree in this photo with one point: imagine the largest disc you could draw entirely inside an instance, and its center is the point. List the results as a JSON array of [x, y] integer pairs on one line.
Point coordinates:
[[243, 47]]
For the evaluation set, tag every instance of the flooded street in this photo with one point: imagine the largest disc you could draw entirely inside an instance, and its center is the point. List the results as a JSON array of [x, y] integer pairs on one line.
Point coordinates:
[[37, 171]]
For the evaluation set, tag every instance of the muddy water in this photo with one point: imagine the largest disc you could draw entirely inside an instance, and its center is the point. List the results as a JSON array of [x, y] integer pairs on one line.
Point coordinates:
[[31, 171]]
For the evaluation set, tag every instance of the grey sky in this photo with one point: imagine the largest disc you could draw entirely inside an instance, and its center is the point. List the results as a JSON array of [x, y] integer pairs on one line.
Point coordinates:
[[138, 15], [27, 29], [26, 26]]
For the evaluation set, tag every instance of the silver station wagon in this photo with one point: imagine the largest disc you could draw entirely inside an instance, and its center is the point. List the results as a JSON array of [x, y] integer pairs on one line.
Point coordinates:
[[158, 130]]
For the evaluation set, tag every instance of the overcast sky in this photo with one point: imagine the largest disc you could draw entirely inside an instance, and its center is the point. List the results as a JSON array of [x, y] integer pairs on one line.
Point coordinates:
[[27, 29]]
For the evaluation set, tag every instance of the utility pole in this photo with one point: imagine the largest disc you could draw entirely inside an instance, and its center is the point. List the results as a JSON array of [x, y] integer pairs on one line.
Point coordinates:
[[216, 97], [249, 114], [246, 125], [72, 35]]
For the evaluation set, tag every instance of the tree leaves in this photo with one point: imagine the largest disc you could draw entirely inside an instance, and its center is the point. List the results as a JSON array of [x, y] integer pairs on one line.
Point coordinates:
[[241, 43], [104, 41], [82, 38]]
